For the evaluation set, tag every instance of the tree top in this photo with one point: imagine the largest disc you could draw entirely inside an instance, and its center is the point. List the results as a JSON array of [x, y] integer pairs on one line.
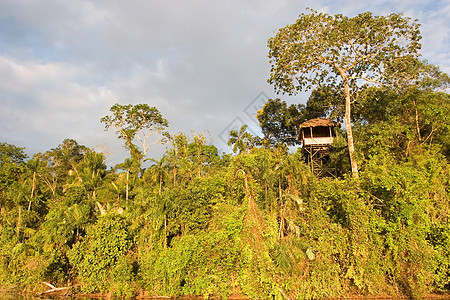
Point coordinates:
[[325, 49]]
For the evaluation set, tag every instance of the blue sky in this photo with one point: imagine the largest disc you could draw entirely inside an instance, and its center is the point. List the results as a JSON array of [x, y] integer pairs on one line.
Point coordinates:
[[202, 63]]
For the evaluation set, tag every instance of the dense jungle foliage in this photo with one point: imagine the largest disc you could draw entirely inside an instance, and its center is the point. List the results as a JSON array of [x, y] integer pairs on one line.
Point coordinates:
[[256, 223]]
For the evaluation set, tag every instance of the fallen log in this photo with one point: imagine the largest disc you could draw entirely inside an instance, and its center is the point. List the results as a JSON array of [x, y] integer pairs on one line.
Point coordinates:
[[53, 289]]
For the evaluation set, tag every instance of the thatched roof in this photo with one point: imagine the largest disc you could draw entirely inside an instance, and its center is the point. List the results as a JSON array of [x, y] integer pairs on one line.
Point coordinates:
[[319, 122]]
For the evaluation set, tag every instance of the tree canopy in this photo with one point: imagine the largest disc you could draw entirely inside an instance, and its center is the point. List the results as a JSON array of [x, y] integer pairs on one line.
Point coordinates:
[[139, 122], [12, 153], [279, 122]]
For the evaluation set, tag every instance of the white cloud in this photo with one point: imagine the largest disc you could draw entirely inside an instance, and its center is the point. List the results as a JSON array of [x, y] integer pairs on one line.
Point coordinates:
[[52, 84], [43, 104]]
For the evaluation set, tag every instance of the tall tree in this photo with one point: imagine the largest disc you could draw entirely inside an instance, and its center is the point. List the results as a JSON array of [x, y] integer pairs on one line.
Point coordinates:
[[320, 49], [136, 122], [56, 166]]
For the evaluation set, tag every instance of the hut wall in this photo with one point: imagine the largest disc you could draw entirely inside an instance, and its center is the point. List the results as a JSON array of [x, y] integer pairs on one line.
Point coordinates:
[[318, 141], [321, 135]]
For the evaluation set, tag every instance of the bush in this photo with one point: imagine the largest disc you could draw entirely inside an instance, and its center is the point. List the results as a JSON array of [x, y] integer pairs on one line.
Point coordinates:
[[101, 260]]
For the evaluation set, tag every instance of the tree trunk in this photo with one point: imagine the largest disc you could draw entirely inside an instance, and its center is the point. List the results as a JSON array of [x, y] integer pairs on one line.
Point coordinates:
[[165, 232], [126, 190], [281, 235], [280, 195], [160, 184], [348, 127], [265, 192], [417, 122], [33, 187], [174, 171], [18, 223]]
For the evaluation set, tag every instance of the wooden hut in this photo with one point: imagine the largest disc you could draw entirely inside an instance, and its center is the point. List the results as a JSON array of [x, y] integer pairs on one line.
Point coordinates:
[[318, 132], [317, 136]]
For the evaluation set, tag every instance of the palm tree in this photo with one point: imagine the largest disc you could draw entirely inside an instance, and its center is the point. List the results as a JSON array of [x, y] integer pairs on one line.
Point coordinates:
[[241, 140], [130, 165], [93, 171], [158, 171]]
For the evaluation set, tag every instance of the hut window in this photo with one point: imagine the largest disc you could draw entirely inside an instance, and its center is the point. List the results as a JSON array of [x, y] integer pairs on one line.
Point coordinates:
[[307, 133], [321, 131]]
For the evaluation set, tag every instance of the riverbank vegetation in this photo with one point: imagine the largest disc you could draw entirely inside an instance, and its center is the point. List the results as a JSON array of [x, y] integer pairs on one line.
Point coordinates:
[[258, 222]]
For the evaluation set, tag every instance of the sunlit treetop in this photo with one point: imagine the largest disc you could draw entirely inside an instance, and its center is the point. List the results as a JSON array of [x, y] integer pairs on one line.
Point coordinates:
[[11, 153], [139, 121], [322, 49]]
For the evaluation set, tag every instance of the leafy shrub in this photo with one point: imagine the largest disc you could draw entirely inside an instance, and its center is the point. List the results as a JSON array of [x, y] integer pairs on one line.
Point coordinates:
[[101, 259]]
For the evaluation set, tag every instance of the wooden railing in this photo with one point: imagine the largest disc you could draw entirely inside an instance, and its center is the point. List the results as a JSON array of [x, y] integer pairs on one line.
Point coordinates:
[[318, 141]]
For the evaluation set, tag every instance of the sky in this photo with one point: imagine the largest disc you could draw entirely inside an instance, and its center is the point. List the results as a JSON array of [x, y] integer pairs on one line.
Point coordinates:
[[202, 63]]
